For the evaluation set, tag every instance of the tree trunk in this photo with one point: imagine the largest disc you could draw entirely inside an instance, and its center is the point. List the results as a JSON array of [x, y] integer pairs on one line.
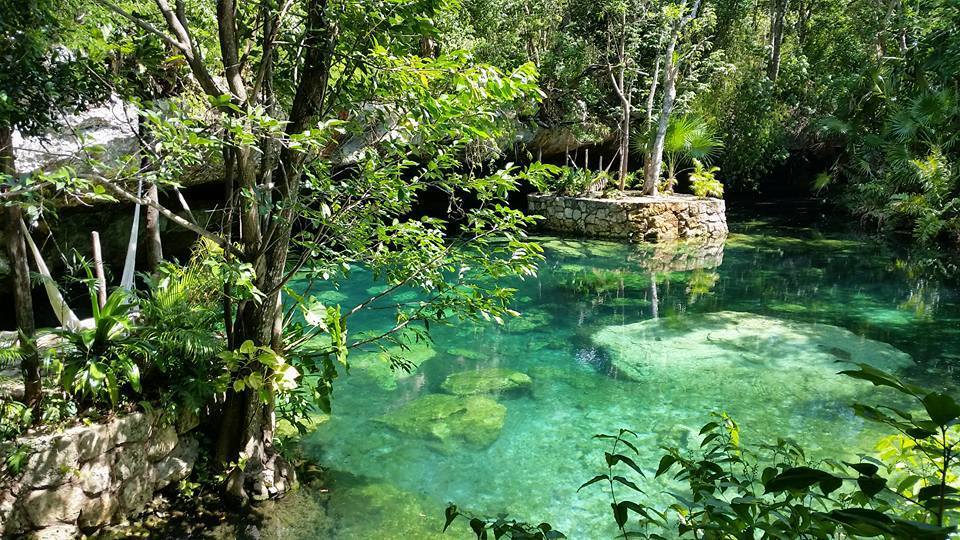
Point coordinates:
[[625, 145], [654, 165], [154, 245], [248, 421], [671, 68], [22, 301], [623, 92], [776, 38]]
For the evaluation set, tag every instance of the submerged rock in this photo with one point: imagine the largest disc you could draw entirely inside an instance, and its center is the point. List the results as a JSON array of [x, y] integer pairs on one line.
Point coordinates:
[[737, 351], [449, 420], [528, 320], [468, 353], [485, 381], [392, 365]]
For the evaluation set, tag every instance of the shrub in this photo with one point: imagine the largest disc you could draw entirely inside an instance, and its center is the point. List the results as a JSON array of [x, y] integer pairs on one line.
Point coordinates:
[[703, 182]]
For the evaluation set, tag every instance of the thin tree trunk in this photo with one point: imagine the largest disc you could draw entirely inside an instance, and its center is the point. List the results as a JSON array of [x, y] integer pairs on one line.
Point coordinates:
[[98, 268], [154, 245], [776, 38], [671, 69], [655, 163], [654, 296], [620, 86], [22, 300]]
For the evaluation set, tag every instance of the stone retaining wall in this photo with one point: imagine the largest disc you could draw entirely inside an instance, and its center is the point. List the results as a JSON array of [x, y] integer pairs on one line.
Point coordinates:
[[89, 476], [633, 217]]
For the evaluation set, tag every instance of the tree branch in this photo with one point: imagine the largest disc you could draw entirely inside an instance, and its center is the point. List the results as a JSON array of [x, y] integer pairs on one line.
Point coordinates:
[[130, 197]]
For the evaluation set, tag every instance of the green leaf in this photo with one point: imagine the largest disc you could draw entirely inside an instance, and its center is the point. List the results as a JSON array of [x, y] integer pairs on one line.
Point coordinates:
[[871, 485], [247, 347], [881, 378], [255, 380], [796, 478], [613, 459], [627, 483], [942, 408], [478, 527], [829, 485], [866, 469], [594, 480], [666, 462]]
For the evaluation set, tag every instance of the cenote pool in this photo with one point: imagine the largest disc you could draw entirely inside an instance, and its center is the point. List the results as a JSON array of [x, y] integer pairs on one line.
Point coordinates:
[[648, 338]]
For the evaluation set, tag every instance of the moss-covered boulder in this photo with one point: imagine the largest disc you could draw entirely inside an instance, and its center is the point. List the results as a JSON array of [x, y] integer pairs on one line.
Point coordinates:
[[450, 420], [468, 353], [485, 381], [528, 320]]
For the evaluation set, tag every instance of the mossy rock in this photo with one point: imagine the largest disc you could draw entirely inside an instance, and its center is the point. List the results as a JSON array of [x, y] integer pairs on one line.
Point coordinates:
[[485, 381], [331, 297], [566, 248], [627, 302], [379, 366], [528, 320], [285, 429], [469, 354], [450, 420]]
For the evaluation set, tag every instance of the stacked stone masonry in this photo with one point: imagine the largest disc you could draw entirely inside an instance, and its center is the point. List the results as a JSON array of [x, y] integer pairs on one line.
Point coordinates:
[[90, 476], [635, 218]]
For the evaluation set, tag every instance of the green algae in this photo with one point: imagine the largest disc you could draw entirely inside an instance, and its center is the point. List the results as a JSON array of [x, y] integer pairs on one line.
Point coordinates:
[[465, 352], [787, 307], [342, 505], [450, 420], [485, 381]]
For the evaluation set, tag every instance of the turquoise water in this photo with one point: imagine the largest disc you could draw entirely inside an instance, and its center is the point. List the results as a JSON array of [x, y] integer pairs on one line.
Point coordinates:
[[614, 335]]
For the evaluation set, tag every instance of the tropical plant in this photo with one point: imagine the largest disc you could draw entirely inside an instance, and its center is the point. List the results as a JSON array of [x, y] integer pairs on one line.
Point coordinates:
[[703, 182], [180, 316], [689, 139], [15, 417], [574, 180], [99, 363]]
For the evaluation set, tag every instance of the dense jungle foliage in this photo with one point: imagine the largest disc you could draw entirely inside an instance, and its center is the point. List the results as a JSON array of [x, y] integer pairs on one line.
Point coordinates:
[[331, 121]]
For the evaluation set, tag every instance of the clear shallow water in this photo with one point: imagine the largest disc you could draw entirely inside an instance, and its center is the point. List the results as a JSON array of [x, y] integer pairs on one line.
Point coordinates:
[[386, 483]]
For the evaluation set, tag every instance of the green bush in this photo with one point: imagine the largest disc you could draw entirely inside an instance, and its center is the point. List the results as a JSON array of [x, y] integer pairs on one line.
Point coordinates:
[[703, 182], [572, 181], [99, 363]]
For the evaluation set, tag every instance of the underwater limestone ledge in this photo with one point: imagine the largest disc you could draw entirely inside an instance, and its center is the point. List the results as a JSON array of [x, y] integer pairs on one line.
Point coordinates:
[[89, 476], [485, 381], [632, 217], [450, 420], [745, 353]]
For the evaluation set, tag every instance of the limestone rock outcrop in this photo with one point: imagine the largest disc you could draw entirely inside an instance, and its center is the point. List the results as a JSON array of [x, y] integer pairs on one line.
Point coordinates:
[[89, 476]]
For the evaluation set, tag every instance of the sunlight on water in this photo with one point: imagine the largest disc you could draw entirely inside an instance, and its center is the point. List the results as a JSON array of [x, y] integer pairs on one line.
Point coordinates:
[[651, 339]]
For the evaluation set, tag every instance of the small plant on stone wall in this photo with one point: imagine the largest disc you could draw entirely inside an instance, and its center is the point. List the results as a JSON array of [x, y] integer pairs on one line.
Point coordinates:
[[99, 363], [570, 181], [703, 181]]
